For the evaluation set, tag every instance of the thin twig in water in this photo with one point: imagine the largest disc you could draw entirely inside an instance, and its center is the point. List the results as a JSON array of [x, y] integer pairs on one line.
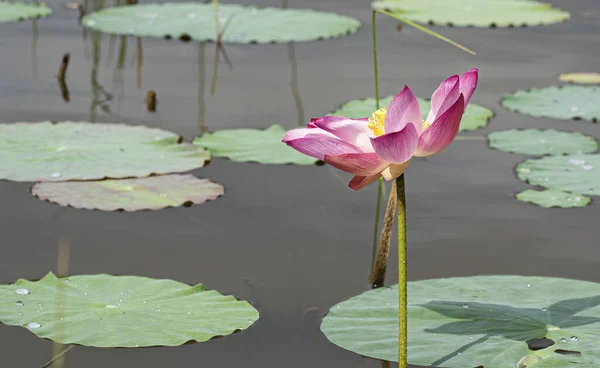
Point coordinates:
[[151, 101], [64, 64]]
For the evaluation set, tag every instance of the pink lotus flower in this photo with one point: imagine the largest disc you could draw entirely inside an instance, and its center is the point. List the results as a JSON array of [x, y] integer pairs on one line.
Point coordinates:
[[384, 143]]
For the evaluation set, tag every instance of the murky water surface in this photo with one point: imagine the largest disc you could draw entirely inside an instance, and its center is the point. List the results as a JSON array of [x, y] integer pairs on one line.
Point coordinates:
[[292, 240]]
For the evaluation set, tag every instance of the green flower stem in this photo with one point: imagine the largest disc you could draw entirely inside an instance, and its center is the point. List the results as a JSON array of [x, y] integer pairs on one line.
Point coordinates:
[[375, 62], [380, 187], [402, 284]]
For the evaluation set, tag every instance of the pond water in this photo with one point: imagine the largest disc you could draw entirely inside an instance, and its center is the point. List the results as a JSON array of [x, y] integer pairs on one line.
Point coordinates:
[[292, 240]]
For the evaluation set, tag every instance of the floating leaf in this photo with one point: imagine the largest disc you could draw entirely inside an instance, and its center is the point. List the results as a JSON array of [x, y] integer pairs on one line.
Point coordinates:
[[475, 116], [476, 13], [121, 311], [22, 11], [566, 102], [580, 78], [85, 151], [244, 24], [151, 193], [553, 198], [542, 142], [475, 321], [574, 173], [252, 145]]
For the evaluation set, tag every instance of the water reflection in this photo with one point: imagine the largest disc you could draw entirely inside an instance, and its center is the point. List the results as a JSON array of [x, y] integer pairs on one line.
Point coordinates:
[[294, 76], [201, 85], [34, 47], [100, 97]]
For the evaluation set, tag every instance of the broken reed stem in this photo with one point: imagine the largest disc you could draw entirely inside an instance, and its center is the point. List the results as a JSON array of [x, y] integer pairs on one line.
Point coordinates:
[[377, 278], [151, 101], [64, 64]]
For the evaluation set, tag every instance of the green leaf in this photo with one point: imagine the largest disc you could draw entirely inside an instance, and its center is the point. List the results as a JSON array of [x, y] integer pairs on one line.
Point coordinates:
[[240, 24], [475, 116], [252, 145], [121, 311], [21, 11], [476, 13], [84, 151], [566, 102], [580, 78], [542, 142], [475, 321], [150, 193], [553, 198], [574, 173]]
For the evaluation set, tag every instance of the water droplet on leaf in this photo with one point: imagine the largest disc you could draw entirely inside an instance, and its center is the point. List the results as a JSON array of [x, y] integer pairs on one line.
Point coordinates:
[[22, 291], [20, 303], [33, 325]]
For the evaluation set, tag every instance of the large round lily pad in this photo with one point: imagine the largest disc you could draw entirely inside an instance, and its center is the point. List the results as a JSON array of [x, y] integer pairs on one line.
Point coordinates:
[[22, 11], [476, 13], [574, 173], [475, 116], [240, 24], [151, 193], [121, 311], [566, 102], [542, 142], [553, 198], [580, 78], [253, 145], [475, 321], [84, 151]]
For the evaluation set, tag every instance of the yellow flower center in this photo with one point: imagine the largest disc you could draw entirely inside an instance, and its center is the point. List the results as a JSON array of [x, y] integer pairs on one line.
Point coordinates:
[[377, 122]]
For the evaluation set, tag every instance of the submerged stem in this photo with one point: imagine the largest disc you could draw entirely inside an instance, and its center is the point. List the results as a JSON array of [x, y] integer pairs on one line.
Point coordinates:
[[402, 285]]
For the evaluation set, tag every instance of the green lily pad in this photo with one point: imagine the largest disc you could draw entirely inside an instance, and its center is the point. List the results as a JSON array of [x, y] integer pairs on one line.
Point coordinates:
[[240, 24], [566, 102], [476, 13], [150, 193], [121, 311], [252, 145], [85, 151], [553, 198], [21, 11], [475, 321], [573, 173], [580, 78], [542, 142], [475, 116]]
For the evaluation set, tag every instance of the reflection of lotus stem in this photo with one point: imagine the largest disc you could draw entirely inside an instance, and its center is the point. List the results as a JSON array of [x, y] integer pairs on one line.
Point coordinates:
[[385, 240], [402, 285]]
